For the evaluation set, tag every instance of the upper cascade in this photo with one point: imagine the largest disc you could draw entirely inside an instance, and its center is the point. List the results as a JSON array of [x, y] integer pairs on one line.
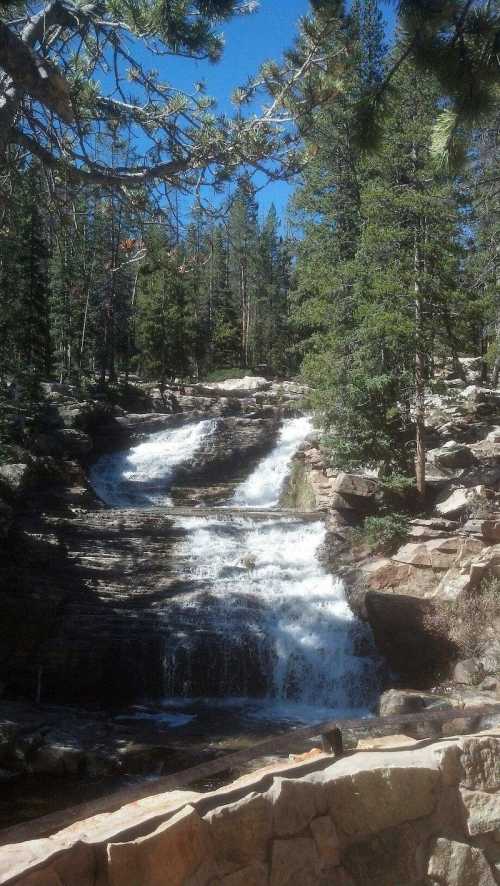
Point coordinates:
[[263, 487], [140, 477]]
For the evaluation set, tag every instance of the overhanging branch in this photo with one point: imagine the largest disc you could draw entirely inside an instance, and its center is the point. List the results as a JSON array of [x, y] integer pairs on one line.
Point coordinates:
[[34, 75]]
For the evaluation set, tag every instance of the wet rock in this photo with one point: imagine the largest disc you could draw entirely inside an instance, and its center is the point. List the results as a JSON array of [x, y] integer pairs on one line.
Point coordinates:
[[142, 759], [457, 864], [56, 759], [407, 632], [407, 701], [233, 448]]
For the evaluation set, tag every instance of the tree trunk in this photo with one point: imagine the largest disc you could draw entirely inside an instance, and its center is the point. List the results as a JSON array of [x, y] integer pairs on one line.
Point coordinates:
[[419, 381], [495, 373]]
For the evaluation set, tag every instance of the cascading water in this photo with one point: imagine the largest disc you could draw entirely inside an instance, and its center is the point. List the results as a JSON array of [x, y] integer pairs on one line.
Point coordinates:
[[262, 617], [140, 477], [256, 622], [263, 487]]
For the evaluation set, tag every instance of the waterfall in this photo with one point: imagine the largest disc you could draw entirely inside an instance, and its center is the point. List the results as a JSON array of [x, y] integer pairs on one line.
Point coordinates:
[[140, 477], [262, 616], [263, 487], [254, 618]]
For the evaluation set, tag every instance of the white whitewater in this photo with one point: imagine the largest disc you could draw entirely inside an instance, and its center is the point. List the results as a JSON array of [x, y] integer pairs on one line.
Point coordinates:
[[264, 595], [257, 622], [263, 487], [141, 476]]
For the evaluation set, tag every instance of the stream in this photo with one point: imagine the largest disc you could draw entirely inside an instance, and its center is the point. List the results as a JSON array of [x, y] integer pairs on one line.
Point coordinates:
[[244, 635], [262, 636]]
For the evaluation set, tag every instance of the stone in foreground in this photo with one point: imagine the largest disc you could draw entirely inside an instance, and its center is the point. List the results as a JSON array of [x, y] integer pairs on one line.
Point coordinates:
[[425, 815]]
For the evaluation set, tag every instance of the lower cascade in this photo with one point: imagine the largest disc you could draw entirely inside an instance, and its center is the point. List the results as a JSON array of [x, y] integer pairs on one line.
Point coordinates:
[[255, 621]]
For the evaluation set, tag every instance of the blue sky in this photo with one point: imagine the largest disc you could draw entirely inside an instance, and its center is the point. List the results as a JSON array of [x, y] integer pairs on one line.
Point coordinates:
[[250, 40]]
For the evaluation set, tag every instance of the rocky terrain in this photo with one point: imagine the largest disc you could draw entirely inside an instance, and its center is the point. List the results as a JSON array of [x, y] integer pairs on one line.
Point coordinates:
[[398, 811], [83, 587], [432, 598], [81, 584]]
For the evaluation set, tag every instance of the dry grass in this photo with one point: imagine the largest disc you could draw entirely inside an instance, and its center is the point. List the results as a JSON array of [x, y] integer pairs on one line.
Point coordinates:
[[469, 622]]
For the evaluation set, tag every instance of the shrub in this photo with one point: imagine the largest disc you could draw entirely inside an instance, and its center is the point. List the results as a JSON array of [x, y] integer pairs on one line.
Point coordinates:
[[383, 533]]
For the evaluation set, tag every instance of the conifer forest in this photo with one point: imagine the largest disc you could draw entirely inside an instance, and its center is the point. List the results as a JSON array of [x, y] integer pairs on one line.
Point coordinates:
[[249, 442], [131, 237]]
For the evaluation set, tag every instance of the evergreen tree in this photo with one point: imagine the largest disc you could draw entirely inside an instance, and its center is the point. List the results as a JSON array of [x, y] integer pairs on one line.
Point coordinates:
[[392, 267], [243, 239], [165, 330]]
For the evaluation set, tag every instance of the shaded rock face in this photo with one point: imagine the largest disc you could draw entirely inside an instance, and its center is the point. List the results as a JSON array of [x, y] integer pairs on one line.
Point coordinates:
[[100, 617], [423, 815], [79, 602], [229, 453]]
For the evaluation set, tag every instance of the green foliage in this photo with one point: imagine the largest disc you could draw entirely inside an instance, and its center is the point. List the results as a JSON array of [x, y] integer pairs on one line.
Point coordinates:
[[380, 272], [385, 533]]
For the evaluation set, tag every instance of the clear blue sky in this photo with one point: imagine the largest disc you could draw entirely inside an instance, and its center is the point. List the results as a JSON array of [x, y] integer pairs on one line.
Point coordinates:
[[250, 40]]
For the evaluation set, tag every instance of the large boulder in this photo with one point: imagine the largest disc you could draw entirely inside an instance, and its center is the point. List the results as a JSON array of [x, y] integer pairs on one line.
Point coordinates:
[[487, 528], [462, 500], [74, 443], [374, 791], [439, 553], [178, 850], [235, 387], [408, 701], [457, 864], [451, 455], [355, 485]]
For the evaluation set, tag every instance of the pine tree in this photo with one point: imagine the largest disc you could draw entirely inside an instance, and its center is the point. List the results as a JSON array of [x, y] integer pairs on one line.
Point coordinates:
[[165, 330], [243, 239], [378, 275]]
